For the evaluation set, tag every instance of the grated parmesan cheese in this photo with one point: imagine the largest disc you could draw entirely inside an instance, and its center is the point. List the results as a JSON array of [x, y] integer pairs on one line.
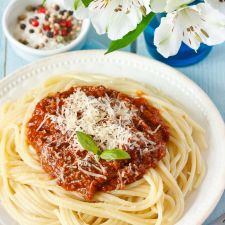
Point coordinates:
[[107, 119]]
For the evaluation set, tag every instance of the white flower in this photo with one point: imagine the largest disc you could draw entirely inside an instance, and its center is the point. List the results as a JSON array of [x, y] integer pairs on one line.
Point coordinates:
[[217, 4], [191, 24], [118, 17], [167, 5], [115, 17]]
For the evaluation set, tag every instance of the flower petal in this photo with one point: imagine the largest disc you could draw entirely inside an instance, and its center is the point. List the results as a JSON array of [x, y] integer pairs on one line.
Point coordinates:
[[176, 4], [146, 5], [130, 21], [203, 25], [168, 36], [191, 24], [117, 17], [217, 4], [101, 14], [158, 5]]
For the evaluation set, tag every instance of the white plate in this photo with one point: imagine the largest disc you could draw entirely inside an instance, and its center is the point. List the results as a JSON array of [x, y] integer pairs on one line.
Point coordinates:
[[171, 82]]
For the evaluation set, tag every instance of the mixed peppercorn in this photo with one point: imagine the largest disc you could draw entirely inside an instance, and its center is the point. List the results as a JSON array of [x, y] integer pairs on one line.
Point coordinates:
[[53, 23]]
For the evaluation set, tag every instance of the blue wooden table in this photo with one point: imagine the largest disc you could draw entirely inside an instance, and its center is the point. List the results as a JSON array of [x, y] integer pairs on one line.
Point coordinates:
[[209, 74]]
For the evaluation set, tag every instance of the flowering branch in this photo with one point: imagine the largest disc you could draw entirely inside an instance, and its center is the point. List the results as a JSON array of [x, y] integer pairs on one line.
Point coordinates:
[[185, 21]]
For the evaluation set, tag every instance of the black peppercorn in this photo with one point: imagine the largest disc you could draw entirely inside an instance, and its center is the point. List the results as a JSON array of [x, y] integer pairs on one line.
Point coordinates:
[[31, 31], [36, 17], [50, 34], [56, 7], [61, 12], [70, 12], [22, 26]]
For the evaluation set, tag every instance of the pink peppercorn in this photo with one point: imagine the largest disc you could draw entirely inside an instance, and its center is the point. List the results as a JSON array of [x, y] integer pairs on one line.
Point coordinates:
[[41, 10], [35, 22]]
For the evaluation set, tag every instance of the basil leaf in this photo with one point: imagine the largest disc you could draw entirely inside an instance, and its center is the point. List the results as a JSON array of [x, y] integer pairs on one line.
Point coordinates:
[[87, 142], [114, 154], [132, 35], [43, 2], [86, 2]]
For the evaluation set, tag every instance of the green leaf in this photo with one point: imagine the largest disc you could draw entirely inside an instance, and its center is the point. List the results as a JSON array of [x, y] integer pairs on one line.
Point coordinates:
[[132, 35], [43, 2], [86, 2], [114, 154], [87, 142]]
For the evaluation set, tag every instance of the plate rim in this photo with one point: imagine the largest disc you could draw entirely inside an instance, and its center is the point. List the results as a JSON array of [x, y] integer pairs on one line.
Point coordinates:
[[10, 79]]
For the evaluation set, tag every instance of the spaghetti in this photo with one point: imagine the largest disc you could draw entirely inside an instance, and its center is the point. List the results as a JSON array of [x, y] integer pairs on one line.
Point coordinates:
[[31, 197]]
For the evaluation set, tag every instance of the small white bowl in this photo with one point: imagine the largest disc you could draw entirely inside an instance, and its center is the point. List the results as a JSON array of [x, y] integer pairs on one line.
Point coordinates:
[[16, 8]]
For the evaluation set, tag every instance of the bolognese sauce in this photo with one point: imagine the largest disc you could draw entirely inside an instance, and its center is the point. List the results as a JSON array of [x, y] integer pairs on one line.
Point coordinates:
[[114, 120]]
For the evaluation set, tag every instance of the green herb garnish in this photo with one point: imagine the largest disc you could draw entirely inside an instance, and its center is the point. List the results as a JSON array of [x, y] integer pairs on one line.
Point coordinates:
[[88, 143], [116, 153]]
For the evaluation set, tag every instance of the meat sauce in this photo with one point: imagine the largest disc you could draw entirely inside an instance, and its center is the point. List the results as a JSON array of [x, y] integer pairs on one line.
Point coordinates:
[[56, 157]]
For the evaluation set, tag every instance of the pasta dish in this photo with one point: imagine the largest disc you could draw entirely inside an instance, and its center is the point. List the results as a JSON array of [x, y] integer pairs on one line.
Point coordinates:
[[91, 149]]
